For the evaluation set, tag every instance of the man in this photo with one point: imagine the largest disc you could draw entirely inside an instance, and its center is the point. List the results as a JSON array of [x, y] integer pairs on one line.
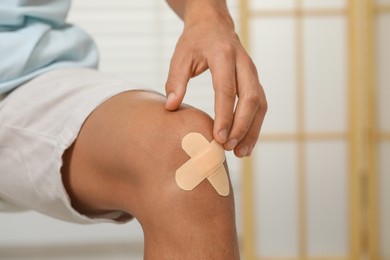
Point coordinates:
[[82, 146]]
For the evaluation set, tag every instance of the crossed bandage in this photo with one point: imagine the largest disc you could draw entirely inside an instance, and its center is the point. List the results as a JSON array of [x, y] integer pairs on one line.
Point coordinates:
[[206, 162]]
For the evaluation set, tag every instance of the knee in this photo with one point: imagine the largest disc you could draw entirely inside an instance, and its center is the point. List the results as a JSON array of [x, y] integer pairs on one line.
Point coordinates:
[[130, 147], [158, 154], [126, 157]]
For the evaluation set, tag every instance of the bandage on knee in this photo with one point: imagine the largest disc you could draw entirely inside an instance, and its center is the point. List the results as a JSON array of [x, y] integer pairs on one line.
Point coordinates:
[[206, 162]]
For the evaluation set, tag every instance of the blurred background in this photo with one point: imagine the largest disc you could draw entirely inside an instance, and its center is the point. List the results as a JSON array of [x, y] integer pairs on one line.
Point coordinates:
[[318, 183]]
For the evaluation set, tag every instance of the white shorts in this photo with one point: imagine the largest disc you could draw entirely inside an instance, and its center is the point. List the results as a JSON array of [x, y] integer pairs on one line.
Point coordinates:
[[38, 122]]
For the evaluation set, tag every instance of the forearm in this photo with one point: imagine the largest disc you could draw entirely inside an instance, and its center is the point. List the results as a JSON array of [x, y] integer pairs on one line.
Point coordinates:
[[193, 11]]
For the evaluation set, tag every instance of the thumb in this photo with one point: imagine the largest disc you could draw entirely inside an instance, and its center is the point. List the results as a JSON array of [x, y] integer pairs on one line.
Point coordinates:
[[176, 85]]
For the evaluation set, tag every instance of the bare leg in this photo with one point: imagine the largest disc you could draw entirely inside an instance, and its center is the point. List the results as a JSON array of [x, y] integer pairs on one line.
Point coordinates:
[[125, 158]]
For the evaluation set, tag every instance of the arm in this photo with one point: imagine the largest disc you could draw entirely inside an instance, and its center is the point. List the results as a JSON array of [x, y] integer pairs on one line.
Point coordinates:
[[209, 41], [198, 7]]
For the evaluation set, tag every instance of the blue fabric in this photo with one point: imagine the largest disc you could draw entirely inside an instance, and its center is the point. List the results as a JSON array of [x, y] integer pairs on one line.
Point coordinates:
[[35, 38]]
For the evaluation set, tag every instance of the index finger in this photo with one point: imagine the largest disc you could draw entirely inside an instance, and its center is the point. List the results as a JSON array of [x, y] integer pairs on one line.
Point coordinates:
[[223, 70]]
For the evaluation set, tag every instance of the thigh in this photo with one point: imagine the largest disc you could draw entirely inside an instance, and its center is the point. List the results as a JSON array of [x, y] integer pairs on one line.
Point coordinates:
[[38, 122]]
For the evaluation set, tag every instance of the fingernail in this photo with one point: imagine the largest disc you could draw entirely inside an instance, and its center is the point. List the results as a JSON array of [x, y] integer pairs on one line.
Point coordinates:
[[171, 97], [231, 144], [243, 151], [223, 135]]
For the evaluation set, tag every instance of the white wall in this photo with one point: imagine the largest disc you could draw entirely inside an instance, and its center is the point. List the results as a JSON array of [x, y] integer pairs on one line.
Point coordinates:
[[314, 80], [383, 94]]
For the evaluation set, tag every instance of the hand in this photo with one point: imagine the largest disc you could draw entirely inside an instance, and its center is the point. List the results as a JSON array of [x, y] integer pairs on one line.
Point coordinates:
[[213, 44]]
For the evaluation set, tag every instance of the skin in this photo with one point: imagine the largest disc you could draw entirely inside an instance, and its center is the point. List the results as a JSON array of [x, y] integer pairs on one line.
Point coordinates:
[[125, 159], [209, 41]]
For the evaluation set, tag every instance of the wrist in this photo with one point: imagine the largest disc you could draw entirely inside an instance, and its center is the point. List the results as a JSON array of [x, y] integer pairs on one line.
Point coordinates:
[[208, 12]]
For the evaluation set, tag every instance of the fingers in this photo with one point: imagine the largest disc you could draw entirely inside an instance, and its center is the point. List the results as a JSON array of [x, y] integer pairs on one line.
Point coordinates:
[[234, 75], [223, 69], [246, 145], [178, 77], [250, 110]]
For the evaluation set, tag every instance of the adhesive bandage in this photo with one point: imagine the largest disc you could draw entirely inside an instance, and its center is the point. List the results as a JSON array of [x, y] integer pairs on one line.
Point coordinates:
[[206, 162]]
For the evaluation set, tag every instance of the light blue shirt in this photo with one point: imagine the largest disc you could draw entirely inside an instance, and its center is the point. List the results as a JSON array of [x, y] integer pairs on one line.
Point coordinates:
[[35, 38]]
